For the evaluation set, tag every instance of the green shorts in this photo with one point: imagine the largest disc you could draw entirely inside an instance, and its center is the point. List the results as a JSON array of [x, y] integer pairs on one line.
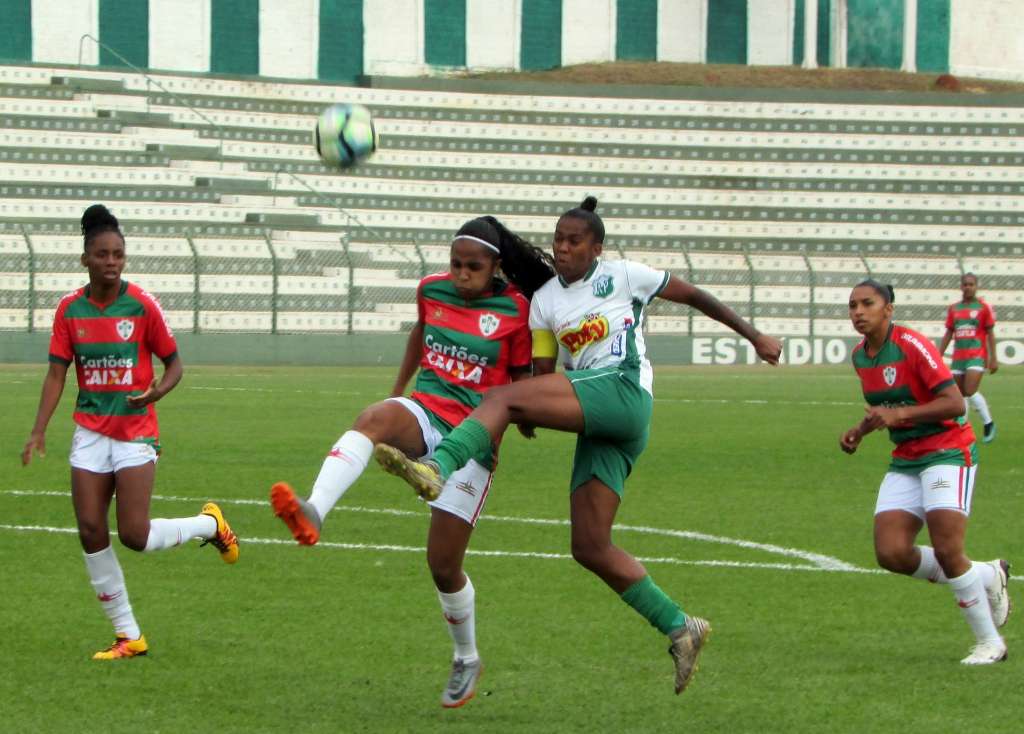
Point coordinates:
[[616, 420], [960, 366]]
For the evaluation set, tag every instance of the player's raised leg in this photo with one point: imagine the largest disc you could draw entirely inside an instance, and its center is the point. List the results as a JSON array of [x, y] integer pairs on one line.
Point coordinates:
[[389, 420]]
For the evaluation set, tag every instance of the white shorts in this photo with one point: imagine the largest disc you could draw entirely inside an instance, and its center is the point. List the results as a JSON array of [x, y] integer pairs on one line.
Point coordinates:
[[465, 492], [941, 487], [972, 368], [104, 455]]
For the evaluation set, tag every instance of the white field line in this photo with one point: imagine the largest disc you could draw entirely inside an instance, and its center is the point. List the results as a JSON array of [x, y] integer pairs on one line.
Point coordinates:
[[819, 562]]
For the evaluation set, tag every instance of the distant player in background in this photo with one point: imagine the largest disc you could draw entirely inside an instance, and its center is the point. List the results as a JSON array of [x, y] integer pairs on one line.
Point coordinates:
[[910, 391], [471, 334], [971, 325], [110, 329], [591, 319]]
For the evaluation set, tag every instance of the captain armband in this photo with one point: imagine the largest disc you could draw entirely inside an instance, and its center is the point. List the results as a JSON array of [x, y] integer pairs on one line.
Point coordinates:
[[544, 344]]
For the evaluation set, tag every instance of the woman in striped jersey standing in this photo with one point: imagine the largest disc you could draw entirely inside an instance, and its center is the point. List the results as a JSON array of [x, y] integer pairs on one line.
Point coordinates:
[[111, 329], [471, 334], [910, 391]]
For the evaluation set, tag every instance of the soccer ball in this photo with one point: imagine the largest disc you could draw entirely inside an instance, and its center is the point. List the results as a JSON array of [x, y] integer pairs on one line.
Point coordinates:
[[344, 135]]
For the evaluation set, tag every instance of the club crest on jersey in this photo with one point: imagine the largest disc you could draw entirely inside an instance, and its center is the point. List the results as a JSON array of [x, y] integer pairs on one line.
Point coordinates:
[[489, 323], [974, 313], [603, 286], [125, 329], [889, 375]]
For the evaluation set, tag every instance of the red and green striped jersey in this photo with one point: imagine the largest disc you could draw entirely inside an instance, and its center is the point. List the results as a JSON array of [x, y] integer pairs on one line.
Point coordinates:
[[908, 370], [468, 346], [112, 348], [970, 323]]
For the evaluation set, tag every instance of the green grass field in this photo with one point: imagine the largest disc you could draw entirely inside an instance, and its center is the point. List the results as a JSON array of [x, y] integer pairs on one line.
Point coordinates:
[[739, 502]]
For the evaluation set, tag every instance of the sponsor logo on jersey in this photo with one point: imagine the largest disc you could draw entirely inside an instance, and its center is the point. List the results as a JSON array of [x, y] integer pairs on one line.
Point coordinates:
[[889, 375], [921, 348], [489, 323], [125, 329], [108, 377], [603, 286], [593, 328]]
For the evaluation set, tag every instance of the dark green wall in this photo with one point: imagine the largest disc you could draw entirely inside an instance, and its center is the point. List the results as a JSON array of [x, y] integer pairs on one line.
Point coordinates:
[[235, 36], [16, 30], [636, 30], [341, 40], [540, 42], [444, 32], [727, 32], [875, 34], [933, 35], [124, 27]]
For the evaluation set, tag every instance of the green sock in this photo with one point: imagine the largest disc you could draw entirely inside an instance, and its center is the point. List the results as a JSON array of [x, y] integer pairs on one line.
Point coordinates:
[[654, 605], [468, 440]]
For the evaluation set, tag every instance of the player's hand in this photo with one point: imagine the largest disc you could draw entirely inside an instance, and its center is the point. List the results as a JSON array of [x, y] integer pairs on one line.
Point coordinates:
[[37, 443], [877, 417], [526, 430], [151, 395], [850, 440], [993, 365], [768, 348]]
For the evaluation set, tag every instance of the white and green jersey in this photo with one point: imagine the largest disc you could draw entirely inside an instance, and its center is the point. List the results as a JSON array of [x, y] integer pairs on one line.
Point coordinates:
[[598, 320]]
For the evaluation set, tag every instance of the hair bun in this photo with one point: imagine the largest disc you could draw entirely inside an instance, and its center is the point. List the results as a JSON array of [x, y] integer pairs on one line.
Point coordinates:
[[589, 204], [98, 216]]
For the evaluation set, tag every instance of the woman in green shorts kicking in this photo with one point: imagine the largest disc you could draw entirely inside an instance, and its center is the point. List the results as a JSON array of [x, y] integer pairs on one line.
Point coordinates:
[[590, 318]]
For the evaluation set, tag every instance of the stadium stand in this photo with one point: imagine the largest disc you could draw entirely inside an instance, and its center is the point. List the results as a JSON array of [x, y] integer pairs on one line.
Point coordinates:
[[776, 207]]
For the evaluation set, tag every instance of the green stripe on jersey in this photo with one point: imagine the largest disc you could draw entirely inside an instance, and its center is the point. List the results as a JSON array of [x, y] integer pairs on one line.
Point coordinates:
[[960, 344], [947, 457], [444, 291], [900, 395], [428, 382], [99, 350], [920, 430], [83, 308], [888, 354], [466, 348], [107, 403]]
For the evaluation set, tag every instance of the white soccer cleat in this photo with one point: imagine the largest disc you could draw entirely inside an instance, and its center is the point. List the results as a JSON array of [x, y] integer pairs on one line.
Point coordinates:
[[998, 596], [986, 653]]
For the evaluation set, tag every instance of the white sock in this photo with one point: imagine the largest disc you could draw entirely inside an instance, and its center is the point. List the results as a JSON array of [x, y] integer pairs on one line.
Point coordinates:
[[929, 568], [169, 533], [460, 615], [967, 406], [979, 403], [986, 572], [347, 460], [973, 601], [108, 582]]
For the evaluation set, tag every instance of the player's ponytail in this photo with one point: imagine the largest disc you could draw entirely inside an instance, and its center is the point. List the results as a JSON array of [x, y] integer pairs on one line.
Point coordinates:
[[97, 219], [524, 264], [882, 289], [587, 211]]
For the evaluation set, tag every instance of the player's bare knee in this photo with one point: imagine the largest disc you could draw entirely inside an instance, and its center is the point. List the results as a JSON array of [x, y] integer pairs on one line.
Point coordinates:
[[133, 538], [92, 537], [371, 423], [896, 559], [951, 559]]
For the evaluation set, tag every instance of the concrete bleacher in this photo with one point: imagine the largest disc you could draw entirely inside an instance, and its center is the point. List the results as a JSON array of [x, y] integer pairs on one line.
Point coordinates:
[[775, 207]]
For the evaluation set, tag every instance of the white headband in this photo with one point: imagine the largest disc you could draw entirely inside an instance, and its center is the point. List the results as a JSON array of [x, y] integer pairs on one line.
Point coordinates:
[[485, 243]]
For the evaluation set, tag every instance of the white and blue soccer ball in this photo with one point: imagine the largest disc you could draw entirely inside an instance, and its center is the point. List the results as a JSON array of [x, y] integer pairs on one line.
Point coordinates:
[[344, 135]]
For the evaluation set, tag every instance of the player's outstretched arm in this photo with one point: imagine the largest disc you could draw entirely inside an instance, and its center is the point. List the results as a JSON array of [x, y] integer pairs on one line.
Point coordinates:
[[677, 290], [53, 388], [173, 370]]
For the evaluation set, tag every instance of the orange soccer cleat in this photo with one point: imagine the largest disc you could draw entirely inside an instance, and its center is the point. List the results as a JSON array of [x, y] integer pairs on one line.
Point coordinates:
[[300, 516]]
